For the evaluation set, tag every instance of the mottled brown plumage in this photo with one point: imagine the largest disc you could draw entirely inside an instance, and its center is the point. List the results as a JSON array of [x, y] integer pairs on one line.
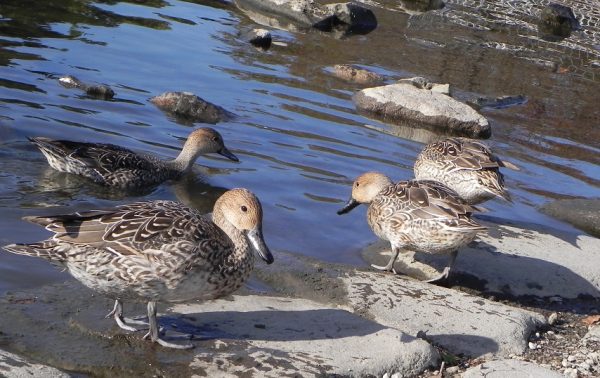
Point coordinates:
[[120, 168], [157, 251], [466, 166], [419, 215]]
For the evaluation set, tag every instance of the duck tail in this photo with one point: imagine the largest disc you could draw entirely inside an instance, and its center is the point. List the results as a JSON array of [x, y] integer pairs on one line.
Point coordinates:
[[45, 249]]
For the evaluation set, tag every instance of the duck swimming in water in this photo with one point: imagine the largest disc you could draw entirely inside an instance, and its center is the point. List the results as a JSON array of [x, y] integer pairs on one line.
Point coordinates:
[[120, 168]]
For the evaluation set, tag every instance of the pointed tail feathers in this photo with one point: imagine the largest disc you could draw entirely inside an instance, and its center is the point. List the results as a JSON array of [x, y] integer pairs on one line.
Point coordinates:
[[45, 249]]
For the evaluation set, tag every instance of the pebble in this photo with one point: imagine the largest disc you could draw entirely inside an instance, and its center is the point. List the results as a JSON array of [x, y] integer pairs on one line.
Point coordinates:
[[533, 346], [452, 370], [571, 358], [386, 375], [584, 366], [564, 363], [552, 318], [396, 375]]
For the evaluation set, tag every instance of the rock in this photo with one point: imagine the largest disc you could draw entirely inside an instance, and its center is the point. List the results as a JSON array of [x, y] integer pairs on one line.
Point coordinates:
[[552, 318], [356, 75], [348, 18], [422, 83], [190, 107], [96, 90], [510, 368], [299, 337], [13, 366], [459, 322], [404, 102], [581, 213], [532, 346], [258, 37], [452, 370], [497, 102], [593, 334], [501, 262], [421, 5], [558, 20]]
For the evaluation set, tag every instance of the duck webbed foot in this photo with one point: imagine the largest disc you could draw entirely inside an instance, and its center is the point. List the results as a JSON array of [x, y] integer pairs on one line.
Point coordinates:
[[445, 275], [153, 333], [389, 267], [122, 322]]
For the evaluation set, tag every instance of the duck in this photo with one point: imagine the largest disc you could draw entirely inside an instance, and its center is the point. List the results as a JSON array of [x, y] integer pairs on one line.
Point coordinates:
[[418, 215], [157, 251], [123, 169], [466, 166]]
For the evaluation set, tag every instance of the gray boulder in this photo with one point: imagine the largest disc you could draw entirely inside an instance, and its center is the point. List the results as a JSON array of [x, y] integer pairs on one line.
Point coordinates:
[[351, 18], [190, 107], [581, 213], [404, 102]]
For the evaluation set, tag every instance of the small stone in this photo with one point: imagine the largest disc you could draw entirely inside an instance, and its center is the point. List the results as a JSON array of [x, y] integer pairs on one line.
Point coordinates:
[[571, 358], [564, 363], [258, 37], [585, 366], [512, 355], [550, 333], [386, 375], [532, 346], [452, 370], [396, 375]]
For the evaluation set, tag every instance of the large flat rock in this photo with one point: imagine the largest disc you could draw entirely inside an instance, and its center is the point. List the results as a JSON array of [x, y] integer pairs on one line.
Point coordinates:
[[250, 335], [510, 368], [13, 366], [460, 322], [404, 102], [514, 261]]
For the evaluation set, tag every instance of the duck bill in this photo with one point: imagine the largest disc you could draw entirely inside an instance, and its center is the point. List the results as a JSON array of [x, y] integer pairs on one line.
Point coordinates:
[[351, 204], [258, 244], [228, 154]]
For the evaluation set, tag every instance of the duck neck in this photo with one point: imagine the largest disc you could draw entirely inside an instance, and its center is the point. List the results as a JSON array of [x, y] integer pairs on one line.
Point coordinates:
[[243, 252], [187, 157]]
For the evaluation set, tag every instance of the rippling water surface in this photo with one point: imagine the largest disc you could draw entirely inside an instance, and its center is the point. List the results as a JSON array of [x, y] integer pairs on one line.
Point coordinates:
[[296, 133]]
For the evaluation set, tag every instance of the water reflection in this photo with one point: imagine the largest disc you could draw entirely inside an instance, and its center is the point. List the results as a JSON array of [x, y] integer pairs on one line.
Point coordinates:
[[297, 134]]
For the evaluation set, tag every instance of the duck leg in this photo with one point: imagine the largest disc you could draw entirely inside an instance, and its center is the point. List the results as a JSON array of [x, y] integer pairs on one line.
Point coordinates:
[[389, 267], [443, 277], [154, 331], [117, 314]]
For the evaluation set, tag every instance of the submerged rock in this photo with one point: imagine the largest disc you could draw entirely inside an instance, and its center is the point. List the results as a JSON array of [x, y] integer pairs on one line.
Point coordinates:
[[558, 20], [356, 75], [497, 102], [581, 213], [96, 90], [406, 102], [191, 107], [258, 37], [422, 5], [351, 18]]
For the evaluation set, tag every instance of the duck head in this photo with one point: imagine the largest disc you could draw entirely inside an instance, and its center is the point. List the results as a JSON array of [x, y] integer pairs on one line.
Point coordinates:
[[366, 187]]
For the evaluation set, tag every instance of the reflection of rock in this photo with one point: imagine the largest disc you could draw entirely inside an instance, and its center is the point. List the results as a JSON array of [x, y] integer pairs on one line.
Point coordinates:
[[356, 75], [422, 5], [191, 107], [581, 213], [293, 15], [406, 130], [558, 19], [497, 102], [510, 368], [96, 90], [258, 37], [406, 102]]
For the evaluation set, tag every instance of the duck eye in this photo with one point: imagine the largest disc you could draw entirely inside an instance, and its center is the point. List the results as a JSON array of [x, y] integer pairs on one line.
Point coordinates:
[[357, 185], [215, 138], [244, 208]]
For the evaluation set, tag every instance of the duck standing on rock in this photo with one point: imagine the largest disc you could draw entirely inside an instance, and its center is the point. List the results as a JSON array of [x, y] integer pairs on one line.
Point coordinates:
[[120, 168], [466, 166], [157, 251], [423, 216]]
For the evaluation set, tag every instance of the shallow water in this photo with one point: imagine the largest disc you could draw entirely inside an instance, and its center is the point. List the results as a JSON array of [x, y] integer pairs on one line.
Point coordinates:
[[296, 133]]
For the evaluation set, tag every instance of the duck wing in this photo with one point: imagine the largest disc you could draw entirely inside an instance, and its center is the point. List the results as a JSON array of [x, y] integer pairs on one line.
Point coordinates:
[[424, 200], [463, 153]]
